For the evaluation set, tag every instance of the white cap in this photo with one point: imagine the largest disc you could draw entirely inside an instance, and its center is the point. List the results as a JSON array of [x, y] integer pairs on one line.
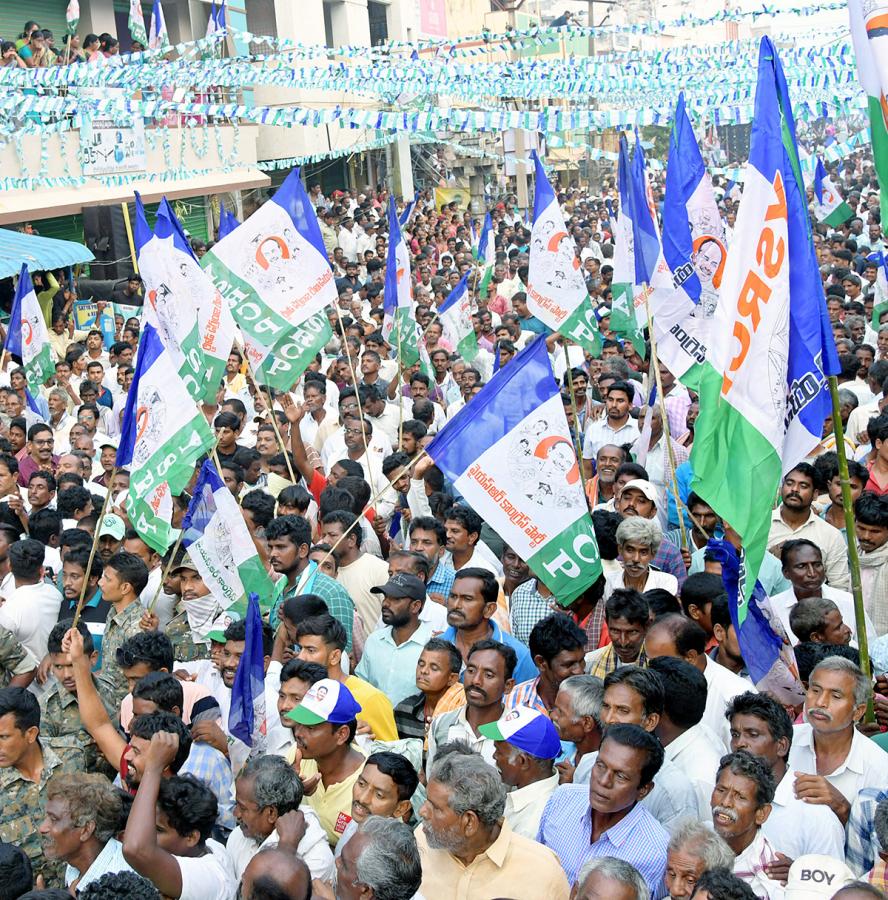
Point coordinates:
[[815, 876], [646, 488]]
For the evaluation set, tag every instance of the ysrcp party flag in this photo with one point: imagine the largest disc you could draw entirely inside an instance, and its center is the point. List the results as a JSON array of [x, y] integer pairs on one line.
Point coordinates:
[[227, 221], [399, 322], [455, 316], [289, 359], [152, 517], [829, 207], [763, 395], [694, 249], [219, 543], [158, 38], [163, 433], [556, 289], [175, 287], [509, 454], [869, 34], [272, 269], [72, 16], [486, 255], [27, 337], [880, 295], [136, 23], [246, 716], [624, 319]]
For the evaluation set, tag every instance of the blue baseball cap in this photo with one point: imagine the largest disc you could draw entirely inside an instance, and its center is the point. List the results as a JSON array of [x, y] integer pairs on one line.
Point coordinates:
[[326, 701], [527, 729]]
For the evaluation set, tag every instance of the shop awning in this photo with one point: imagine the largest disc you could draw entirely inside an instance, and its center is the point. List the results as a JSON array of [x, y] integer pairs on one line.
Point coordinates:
[[39, 253]]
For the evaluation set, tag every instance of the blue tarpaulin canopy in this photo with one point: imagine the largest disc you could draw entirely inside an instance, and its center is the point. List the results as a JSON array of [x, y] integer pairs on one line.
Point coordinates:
[[40, 253]]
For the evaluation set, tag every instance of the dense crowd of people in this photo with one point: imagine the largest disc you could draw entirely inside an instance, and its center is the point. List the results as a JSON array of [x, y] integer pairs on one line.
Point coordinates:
[[438, 723]]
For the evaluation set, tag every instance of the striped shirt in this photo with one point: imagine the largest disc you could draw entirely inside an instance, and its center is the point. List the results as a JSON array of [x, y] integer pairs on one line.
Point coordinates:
[[638, 838], [442, 580], [526, 694], [527, 606]]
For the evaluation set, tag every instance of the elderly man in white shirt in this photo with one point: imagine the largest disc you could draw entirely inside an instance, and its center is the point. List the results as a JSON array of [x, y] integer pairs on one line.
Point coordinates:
[[526, 745], [268, 794], [834, 703], [638, 540]]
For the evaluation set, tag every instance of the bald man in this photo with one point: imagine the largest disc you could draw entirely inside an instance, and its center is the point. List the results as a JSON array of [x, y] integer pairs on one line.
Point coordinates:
[[275, 872]]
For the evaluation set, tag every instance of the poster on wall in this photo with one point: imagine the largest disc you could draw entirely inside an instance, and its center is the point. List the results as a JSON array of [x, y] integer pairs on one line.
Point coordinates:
[[107, 148], [433, 18]]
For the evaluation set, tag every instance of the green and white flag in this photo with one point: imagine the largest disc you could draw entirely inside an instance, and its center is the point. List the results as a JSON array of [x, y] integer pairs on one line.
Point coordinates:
[[869, 35], [399, 326], [556, 289], [509, 454], [27, 337], [273, 270], [282, 366], [486, 255], [72, 16], [136, 23], [152, 516], [220, 545], [829, 207], [162, 435], [455, 316], [175, 288]]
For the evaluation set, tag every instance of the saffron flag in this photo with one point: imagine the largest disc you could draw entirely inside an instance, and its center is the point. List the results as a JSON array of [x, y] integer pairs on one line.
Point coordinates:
[[219, 543], [158, 38], [829, 207], [26, 336], [455, 316], [763, 395], [556, 289], [509, 453], [695, 250], [399, 325], [136, 23], [869, 35], [273, 270], [246, 716], [162, 435]]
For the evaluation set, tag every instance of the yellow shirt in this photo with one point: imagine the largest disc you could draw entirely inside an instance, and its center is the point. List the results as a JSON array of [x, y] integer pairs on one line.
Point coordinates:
[[333, 803], [505, 869], [376, 708]]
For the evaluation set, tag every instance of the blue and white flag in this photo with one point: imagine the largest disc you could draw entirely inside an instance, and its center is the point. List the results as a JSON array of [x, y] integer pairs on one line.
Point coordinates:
[[246, 717], [227, 221], [695, 250], [399, 325], [455, 316], [509, 454], [219, 543], [162, 435], [408, 212], [645, 235], [273, 271], [556, 287], [212, 24], [158, 38], [27, 336], [486, 255], [765, 647], [763, 391]]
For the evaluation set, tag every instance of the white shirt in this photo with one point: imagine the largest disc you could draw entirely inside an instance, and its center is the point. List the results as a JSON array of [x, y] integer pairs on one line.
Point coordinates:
[[482, 558], [866, 765], [165, 608], [458, 729], [697, 753], [796, 828], [722, 685], [655, 579], [600, 432], [209, 877], [388, 422], [829, 539], [313, 849], [524, 806], [748, 867], [30, 614], [783, 602], [109, 860]]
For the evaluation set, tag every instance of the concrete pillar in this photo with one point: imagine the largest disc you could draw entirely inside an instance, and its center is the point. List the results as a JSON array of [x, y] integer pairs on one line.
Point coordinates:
[[96, 17], [351, 22], [403, 168]]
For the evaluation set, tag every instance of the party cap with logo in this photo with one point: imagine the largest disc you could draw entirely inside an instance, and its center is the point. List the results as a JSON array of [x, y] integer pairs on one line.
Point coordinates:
[[326, 701], [112, 525], [527, 729], [815, 876]]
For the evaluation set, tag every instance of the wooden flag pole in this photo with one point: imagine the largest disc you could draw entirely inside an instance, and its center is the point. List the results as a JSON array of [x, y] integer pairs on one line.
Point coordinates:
[[578, 443], [354, 375], [92, 549], [853, 555], [274, 424]]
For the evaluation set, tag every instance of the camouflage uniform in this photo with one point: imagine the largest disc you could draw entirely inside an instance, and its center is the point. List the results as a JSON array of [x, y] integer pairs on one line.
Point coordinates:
[[118, 628], [179, 632], [24, 801], [15, 659], [60, 717]]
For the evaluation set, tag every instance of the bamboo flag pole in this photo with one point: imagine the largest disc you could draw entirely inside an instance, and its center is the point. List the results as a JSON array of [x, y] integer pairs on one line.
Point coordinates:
[[853, 555], [274, 424], [92, 549], [354, 375], [578, 443]]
